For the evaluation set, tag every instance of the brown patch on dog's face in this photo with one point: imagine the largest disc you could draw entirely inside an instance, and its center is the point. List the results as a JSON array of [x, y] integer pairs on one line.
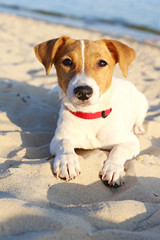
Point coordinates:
[[93, 54], [71, 50]]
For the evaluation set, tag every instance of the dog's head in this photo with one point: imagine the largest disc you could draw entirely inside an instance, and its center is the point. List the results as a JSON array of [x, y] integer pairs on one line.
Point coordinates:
[[84, 68]]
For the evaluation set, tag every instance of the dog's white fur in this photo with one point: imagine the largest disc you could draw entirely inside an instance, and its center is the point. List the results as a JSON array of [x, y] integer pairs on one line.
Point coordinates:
[[113, 133]]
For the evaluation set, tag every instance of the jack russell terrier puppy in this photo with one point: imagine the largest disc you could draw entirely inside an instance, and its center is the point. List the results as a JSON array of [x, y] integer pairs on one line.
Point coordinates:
[[97, 111]]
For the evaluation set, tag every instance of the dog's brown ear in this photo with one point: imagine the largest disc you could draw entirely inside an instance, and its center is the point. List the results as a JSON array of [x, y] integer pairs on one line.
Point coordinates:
[[46, 51], [122, 54]]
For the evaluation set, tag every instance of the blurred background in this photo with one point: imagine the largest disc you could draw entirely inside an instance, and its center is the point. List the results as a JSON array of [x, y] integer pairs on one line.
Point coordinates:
[[139, 18]]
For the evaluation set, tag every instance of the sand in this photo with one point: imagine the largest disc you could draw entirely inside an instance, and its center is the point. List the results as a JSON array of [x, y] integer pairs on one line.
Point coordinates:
[[33, 203]]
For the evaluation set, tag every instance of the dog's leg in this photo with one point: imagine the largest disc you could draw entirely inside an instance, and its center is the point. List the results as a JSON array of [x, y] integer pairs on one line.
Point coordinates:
[[66, 163], [113, 169]]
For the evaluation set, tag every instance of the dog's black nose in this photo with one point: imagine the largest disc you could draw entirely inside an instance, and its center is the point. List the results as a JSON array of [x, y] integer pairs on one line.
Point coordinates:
[[83, 92]]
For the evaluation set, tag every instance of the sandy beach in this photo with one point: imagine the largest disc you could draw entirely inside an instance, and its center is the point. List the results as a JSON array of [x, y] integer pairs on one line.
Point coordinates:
[[33, 203]]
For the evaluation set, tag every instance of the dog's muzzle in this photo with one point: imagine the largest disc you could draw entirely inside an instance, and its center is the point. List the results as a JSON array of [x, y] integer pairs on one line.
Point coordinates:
[[83, 92]]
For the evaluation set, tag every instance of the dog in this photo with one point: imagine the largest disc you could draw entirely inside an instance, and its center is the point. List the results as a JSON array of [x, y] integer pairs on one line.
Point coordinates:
[[97, 110]]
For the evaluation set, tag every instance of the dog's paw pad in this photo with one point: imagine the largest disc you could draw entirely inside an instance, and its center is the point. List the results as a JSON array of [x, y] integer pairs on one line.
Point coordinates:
[[105, 182]]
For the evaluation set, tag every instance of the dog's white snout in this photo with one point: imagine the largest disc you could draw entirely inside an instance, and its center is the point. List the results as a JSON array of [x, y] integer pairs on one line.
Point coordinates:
[[83, 92], [83, 89]]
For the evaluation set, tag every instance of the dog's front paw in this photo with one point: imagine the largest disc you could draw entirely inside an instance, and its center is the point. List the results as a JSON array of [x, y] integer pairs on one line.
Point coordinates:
[[66, 166], [112, 174]]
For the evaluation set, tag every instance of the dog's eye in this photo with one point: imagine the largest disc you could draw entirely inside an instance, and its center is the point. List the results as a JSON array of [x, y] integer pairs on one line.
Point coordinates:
[[67, 62], [101, 63]]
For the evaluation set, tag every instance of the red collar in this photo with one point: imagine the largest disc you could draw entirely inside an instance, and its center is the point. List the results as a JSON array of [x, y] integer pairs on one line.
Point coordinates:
[[84, 115]]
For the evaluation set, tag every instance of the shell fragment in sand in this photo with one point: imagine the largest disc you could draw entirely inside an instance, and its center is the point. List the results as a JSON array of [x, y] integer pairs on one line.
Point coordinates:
[[139, 158]]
